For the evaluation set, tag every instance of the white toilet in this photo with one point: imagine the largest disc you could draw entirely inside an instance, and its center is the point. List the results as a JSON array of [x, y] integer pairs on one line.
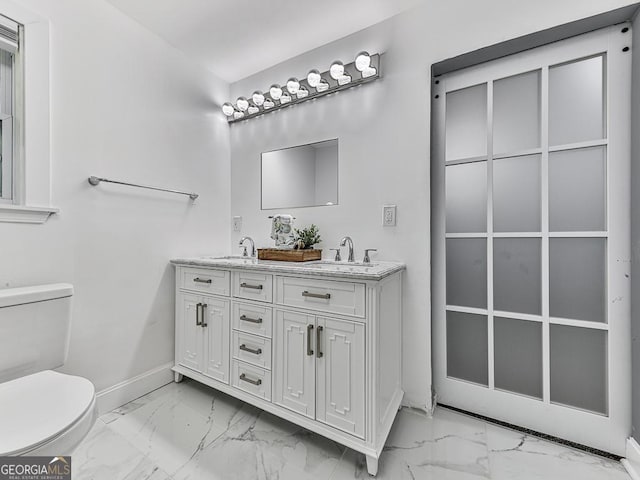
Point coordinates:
[[42, 412]]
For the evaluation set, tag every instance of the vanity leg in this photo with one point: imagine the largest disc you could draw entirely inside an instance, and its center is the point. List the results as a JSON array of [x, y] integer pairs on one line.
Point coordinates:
[[177, 377], [372, 465]]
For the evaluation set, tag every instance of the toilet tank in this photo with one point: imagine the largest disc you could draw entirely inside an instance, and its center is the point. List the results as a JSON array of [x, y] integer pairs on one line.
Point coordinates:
[[34, 329]]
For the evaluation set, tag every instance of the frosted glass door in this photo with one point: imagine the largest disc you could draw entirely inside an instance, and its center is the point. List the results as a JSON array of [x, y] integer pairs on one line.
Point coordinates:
[[530, 233]]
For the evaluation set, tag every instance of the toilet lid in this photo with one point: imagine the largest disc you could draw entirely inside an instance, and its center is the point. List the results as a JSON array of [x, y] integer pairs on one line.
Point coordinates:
[[38, 407]]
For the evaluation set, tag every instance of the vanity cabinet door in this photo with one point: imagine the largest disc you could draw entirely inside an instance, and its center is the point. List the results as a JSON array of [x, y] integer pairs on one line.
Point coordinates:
[[189, 337], [294, 370], [216, 327], [340, 370]]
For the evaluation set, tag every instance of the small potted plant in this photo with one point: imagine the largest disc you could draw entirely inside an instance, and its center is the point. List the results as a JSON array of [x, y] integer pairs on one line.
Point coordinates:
[[306, 238]]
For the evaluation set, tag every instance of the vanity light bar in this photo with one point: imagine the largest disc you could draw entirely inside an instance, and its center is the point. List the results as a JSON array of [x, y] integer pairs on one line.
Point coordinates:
[[365, 68]]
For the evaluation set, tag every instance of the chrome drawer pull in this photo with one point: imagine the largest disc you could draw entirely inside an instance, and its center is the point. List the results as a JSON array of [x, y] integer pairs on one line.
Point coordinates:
[[244, 378], [202, 280], [318, 347], [324, 296], [203, 321], [249, 319], [257, 351], [248, 285], [309, 333]]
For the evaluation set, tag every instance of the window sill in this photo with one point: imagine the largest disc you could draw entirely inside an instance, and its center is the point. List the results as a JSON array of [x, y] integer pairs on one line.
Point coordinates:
[[25, 214]]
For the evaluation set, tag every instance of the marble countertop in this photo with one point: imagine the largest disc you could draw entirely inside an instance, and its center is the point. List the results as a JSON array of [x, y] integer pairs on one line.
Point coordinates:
[[325, 268]]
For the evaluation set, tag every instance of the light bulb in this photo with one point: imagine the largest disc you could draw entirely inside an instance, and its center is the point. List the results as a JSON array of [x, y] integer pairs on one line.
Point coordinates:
[[336, 70], [322, 87], [314, 78], [293, 85], [303, 92], [252, 109], [242, 104], [258, 97], [275, 91], [363, 60], [369, 72], [343, 80], [228, 109], [285, 98], [268, 103], [237, 115]]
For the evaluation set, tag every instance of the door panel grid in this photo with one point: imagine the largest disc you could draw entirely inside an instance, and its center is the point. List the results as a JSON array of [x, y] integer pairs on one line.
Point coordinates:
[[538, 272], [514, 284]]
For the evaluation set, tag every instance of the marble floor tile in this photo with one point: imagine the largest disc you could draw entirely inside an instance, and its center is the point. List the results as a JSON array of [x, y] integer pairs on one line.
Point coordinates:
[[263, 446], [137, 403], [514, 455], [459, 446], [106, 455], [170, 431], [446, 446], [188, 431]]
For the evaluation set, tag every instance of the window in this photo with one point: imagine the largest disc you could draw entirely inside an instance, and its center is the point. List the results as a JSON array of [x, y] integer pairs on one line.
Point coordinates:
[[25, 195], [8, 50]]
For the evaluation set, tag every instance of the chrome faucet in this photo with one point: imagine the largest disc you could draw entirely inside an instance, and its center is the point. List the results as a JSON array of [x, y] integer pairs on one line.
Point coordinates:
[[344, 242], [366, 260], [253, 247]]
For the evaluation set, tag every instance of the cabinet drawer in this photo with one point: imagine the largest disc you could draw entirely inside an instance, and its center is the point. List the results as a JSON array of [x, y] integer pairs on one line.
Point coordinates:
[[345, 298], [250, 379], [205, 280], [252, 349], [252, 318], [254, 286]]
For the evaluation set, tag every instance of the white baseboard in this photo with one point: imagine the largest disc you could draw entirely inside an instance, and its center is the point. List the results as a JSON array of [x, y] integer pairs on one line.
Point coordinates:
[[124, 392], [632, 460]]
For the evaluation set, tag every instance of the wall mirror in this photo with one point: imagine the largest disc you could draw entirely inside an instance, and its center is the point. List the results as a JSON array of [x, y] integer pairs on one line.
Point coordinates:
[[302, 176]]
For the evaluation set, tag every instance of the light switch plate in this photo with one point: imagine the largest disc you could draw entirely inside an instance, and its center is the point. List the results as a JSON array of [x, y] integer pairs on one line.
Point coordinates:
[[237, 224], [389, 215]]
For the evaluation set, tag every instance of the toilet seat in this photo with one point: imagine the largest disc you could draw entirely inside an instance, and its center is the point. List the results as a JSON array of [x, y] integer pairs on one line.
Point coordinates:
[[38, 408]]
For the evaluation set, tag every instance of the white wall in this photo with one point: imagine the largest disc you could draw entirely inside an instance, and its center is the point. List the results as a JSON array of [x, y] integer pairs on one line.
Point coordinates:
[[383, 129], [127, 106]]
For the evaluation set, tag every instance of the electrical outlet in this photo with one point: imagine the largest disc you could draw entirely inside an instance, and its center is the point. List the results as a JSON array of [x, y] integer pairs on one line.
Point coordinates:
[[237, 224], [388, 215]]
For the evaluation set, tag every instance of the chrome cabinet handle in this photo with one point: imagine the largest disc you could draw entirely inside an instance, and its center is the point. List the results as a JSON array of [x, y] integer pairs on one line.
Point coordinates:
[[248, 285], [309, 333], [257, 351], [249, 319], [318, 345], [198, 315], [244, 378], [325, 296], [202, 280], [203, 322]]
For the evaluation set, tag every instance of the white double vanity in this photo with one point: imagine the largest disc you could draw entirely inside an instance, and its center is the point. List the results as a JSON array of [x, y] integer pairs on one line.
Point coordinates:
[[318, 344]]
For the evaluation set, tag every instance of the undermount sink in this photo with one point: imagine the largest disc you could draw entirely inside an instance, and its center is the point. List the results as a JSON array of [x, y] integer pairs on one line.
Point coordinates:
[[234, 259], [324, 264], [320, 264], [331, 264]]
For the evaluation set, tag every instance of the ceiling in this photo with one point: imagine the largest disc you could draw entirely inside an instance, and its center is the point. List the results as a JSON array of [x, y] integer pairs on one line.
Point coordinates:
[[237, 38]]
